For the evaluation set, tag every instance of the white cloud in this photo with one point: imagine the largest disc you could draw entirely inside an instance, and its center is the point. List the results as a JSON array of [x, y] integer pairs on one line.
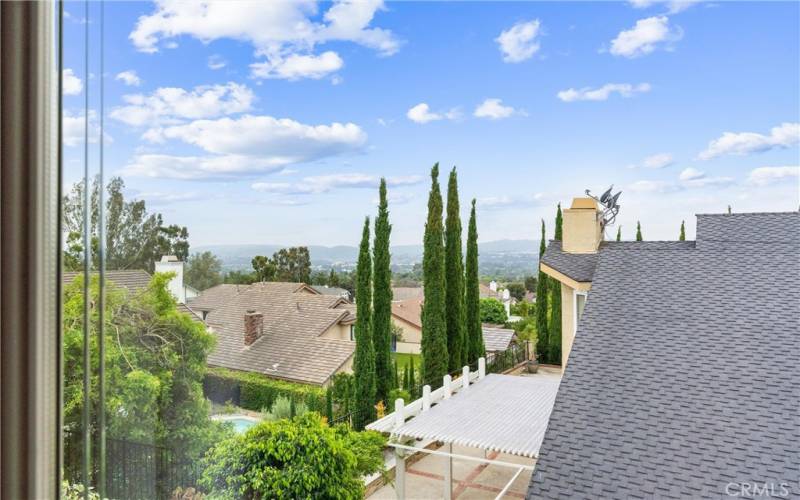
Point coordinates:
[[520, 42], [200, 167], [295, 66], [673, 6], [689, 174], [421, 113], [130, 78], [656, 161], [742, 143], [173, 104], [644, 37], [216, 61], [325, 183], [652, 186], [70, 84], [506, 201], [166, 198], [73, 129], [277, 30], [280, 140], [603, 93], [689, 178], [764, 176], [493, 109]]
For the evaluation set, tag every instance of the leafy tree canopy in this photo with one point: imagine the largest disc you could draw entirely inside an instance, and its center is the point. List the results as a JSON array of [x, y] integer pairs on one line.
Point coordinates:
[[492, 311], [203, 270], [135, 239], [287, 264], [298, 458]]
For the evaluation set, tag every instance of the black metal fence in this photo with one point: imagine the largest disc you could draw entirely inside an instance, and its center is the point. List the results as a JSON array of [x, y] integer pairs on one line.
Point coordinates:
[[137, 471]]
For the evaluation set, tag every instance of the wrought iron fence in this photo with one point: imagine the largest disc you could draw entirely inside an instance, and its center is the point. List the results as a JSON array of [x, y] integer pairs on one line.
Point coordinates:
[[138, 471]]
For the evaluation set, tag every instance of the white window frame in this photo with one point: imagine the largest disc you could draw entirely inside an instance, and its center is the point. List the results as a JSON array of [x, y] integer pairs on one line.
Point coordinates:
[[575, 294]]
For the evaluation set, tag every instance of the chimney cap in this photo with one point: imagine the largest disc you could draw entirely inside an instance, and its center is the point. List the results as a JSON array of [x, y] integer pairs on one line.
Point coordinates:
[[169, 258], [584, 203]]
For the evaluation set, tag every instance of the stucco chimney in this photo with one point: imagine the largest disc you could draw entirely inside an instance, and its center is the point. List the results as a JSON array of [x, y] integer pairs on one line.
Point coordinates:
[[171, 264], [582, 227], [253, 326], [493, 285]]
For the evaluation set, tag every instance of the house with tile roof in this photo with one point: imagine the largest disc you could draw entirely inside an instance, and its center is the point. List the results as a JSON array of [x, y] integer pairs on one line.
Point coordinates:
[[287, 331], [681, 376]]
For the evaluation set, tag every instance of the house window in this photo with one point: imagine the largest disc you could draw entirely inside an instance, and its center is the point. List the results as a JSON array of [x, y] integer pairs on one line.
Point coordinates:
[[394, 343], [353, 332]]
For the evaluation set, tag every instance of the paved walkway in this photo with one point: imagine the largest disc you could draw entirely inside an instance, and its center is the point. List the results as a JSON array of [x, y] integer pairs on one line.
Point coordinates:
[[471, 480]]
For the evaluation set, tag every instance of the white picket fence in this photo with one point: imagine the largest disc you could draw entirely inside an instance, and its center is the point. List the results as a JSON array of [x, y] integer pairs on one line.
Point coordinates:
[[403, 412]]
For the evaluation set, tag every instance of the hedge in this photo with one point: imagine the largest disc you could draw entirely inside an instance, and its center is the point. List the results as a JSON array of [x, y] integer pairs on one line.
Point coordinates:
[[253, 391]]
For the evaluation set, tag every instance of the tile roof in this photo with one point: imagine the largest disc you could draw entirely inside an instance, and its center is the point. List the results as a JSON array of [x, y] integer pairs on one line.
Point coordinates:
[[683, 375], [291, 347], [496, 339], [134, 280], [407, 292], [409, 310], [488, 293]]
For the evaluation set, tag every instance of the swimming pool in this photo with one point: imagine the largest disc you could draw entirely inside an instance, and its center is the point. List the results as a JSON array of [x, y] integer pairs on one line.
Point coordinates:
[[241, 423]]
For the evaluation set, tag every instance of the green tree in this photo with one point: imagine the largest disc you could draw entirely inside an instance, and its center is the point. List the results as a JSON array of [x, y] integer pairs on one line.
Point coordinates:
[[554, 336], [474, 332], [530, 283], [434, 319], [517, 290], [240, 278], [492, 311], [682, 236], [638, 231], [364, 361], [542, 286], [155, 361], [293, 264], [264, 268], [454, 278], [619, 233], [299, 458], [203, 270], [382, 300], [135, 238], [412, 380]]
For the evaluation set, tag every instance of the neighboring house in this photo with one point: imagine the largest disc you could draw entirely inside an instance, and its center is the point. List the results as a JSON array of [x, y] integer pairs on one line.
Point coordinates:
[[681, 376], [407, 316], [491, 291], [133, 280], [287, 331], [332, 290], [400, 293], [181, 291]]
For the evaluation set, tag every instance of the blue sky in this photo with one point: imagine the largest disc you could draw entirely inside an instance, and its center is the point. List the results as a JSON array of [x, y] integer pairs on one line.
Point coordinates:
[[271, 122]]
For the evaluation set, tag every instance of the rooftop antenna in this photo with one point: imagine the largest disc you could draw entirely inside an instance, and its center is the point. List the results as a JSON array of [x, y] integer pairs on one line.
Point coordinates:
[[609, 204]]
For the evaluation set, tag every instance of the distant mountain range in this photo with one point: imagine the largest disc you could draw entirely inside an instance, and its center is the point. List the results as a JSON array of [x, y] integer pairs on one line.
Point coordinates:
[[518, 255]]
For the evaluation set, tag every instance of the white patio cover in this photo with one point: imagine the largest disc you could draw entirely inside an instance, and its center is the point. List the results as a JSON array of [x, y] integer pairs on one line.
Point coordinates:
[[503, 413]]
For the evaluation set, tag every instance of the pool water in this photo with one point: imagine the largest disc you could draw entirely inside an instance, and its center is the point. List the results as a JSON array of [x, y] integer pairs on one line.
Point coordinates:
[[241, 425]]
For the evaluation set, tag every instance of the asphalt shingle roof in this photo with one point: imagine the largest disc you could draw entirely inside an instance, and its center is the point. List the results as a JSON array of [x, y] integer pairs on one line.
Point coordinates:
[[683, 376], [291, 347], [496, 339]]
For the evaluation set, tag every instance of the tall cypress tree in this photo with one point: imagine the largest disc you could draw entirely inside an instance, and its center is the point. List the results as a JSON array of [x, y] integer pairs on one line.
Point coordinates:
[[434, 319], [542, 330], [682, 236], [473, 330], [554, 338], [454, 277], [364, 362], [619, 233], [382, 300], [638, 231]]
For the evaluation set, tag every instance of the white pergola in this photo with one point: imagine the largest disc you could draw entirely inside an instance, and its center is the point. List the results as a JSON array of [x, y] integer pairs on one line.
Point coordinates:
[[503, 413]]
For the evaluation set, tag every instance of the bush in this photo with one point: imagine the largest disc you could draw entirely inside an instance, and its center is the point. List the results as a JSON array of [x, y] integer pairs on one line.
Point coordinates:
[[254, 392], [298, 458], [492, 311], [398, 394]]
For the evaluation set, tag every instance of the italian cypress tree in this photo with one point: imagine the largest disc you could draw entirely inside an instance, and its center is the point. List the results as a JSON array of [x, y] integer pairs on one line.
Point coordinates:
[[542, 329], [382, 300], [364, 362], [638, 231], [473, 330], [454, 277], [682, 236], [412, 382], [434, 319], [406, 380], [396, 379], [329, 405], [554, 338], [619, 233]]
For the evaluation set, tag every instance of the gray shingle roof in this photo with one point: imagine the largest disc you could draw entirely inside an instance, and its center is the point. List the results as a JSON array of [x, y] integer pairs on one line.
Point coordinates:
[[496, 339], [683, 376], [291, 347]]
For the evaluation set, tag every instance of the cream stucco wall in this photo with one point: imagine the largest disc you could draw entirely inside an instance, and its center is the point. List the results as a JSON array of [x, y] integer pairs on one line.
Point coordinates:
[[567, 322], [338, 332], [412, 337]]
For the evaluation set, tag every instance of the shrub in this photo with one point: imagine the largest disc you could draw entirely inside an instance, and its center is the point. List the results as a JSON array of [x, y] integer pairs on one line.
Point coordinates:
[[254, 392], [492, 311], [398, 393], [283, 407], [298, 458]]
